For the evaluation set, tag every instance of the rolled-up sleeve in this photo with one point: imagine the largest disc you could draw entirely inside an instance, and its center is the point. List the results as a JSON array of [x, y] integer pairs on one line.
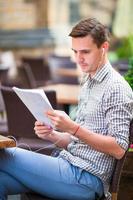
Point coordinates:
[[119, 112]]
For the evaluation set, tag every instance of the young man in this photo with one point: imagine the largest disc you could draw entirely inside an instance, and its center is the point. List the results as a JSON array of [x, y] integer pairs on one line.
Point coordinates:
[[83, 169]]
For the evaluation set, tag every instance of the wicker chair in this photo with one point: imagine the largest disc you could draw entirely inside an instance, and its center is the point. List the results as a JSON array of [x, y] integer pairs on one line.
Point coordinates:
[[61, 62], [114, 185], [115, 182], [21, 122], [26, 77], [39, 68]]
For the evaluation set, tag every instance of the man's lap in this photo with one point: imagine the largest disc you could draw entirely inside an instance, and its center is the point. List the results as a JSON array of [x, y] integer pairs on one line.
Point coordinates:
[[52, 176]]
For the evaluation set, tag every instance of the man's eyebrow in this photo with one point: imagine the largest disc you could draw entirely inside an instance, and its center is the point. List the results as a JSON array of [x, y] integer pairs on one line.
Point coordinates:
[[81, 50]]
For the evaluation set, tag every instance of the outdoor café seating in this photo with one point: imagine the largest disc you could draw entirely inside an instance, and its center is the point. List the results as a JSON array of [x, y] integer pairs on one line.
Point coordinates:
[[115, 181]]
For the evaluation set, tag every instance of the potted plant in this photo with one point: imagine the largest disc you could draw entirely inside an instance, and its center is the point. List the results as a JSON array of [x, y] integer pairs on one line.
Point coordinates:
[[129, 75]]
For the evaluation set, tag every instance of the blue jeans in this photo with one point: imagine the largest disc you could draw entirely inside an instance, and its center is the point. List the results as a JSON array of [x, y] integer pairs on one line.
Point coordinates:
[[22, 171]]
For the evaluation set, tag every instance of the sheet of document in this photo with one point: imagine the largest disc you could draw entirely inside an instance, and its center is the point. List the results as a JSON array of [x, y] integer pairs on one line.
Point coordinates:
[[37, 103]]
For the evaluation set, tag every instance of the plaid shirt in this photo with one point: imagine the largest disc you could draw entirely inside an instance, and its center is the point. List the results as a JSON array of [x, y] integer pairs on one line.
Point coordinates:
[[105, 107]]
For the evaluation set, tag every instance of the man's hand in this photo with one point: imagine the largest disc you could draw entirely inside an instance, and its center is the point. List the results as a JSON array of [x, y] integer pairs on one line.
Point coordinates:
[[42, 131], [62, 121], [61, 139]]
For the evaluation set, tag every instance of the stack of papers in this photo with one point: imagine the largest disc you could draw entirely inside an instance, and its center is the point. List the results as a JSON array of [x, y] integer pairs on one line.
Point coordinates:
[[37, 103]]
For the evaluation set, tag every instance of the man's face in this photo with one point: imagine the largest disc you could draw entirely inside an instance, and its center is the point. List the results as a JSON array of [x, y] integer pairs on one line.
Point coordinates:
[[87, 55]]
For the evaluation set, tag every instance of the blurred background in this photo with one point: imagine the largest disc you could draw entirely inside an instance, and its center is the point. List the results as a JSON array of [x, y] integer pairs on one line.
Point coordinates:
[[39, 28], [48, 22]]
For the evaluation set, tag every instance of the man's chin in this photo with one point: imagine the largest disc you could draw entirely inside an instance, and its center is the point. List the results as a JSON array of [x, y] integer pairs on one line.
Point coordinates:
[[85, 70]]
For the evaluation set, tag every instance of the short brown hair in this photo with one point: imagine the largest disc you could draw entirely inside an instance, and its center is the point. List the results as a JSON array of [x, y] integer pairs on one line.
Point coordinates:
[[92, 27]]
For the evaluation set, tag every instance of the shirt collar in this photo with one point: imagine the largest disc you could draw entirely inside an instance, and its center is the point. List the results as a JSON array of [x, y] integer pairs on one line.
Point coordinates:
[[101, 73]]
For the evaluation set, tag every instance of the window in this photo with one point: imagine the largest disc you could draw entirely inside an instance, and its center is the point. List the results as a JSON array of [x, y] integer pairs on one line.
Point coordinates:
[[74, 11]]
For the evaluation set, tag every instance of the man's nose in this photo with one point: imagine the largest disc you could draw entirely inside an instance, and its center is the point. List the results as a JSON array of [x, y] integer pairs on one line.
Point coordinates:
[[79, 57]]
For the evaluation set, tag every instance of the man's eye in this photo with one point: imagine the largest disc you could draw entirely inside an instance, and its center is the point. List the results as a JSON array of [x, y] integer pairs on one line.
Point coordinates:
[[86, 52]]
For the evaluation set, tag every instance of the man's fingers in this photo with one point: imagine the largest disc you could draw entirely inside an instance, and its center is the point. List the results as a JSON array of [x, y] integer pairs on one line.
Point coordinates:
[[37, 123], [51, 113]]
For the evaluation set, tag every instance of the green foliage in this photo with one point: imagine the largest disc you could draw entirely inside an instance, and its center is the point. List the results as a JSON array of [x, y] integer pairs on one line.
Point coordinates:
[[125, 51], [126, 48], [129, 75]]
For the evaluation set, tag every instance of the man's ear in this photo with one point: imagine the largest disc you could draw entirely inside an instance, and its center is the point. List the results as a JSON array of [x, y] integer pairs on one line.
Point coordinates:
[[105, 46]]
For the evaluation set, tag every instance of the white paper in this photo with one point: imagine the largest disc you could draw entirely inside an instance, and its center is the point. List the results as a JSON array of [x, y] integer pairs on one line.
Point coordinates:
[[37, 103]]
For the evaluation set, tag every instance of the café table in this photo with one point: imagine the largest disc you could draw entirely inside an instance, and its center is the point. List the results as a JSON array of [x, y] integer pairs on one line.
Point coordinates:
[[6, 142], [67, 94], [68, 72]]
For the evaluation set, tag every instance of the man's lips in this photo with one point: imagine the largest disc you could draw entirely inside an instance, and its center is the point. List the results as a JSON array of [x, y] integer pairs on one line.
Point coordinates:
[[83, 64]]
